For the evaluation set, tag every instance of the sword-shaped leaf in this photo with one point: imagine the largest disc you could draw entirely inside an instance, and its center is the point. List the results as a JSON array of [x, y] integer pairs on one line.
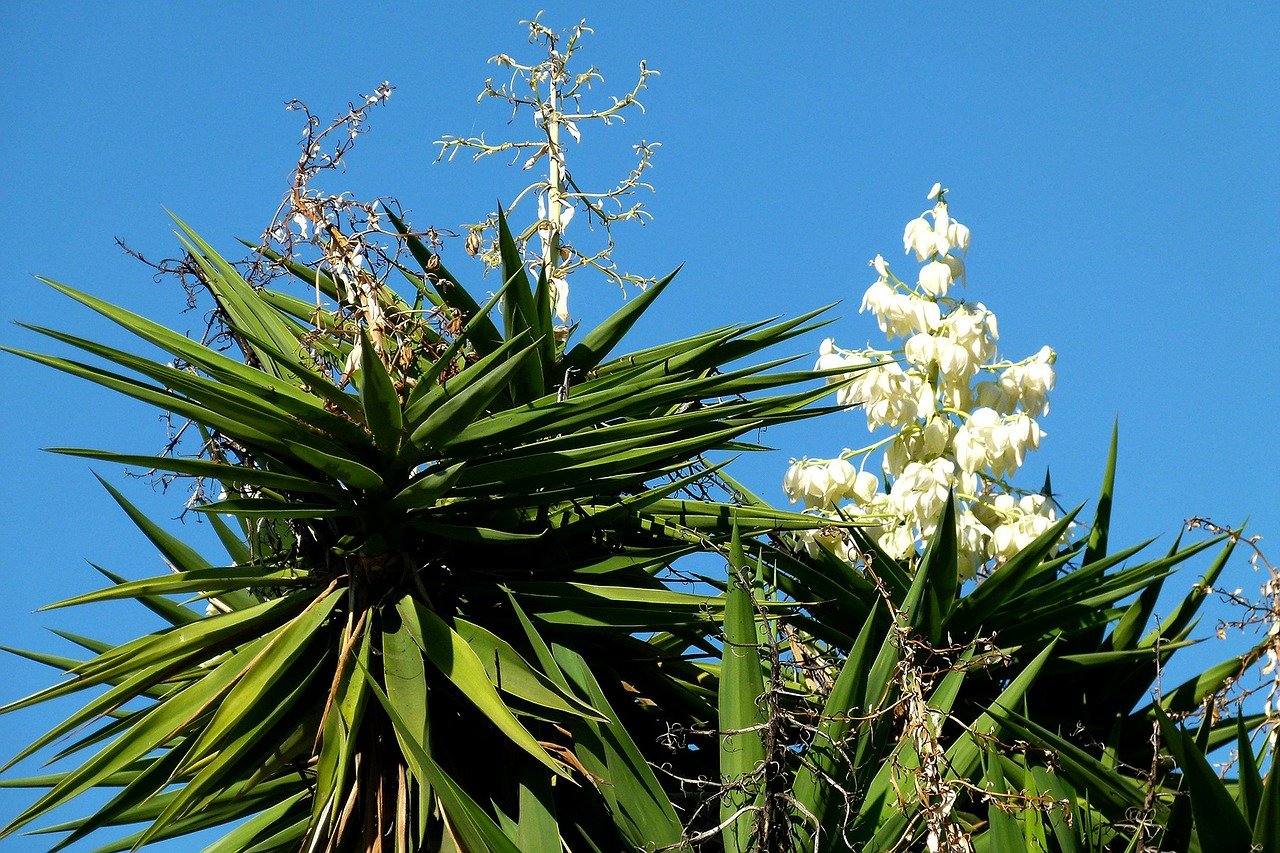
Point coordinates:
[[1098, 534], [453, 415], [472, 826], [511, 673], [642, 810], [742, 719], [588, 353], [520, 316], [379, 398], [451, 654], [1215, 811]]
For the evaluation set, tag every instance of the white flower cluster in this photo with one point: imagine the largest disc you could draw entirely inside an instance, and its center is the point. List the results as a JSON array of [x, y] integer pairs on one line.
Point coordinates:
[[962, 419]]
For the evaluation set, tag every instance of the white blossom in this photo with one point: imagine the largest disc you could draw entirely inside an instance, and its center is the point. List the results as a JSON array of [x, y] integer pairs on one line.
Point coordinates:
[[988, 440], [842, 477], [917, 444], [920, 349], [900, 315], [815, 542], [941, 222], [809, 483], [956, 265], [897, 540], [935, 278], [1024, 522], [992, 395], [865, 488], [821, 484], [829, 359], [919, 235], [1030, 382], [791, 482], [955, 362], [973, 328], [891, 396], [973, 544], [921, 491]]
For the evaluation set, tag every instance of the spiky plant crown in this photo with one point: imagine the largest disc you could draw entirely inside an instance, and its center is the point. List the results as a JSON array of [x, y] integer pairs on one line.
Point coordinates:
[[438, 572]]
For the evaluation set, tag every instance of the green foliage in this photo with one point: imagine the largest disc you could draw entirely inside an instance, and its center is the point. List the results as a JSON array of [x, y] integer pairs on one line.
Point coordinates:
[[446, 620], [442, 569]]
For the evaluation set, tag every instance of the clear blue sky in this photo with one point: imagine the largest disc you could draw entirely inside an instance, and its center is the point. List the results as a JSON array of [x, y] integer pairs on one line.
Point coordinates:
[[1115, 163]]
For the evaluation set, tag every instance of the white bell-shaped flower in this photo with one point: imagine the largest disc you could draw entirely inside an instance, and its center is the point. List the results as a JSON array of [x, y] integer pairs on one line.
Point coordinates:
[[956, 265], [1037, 381], [917, 444], [941, 221], [919, 236], [853, 393], [815, 486], [935, 278], [893, 397], [956, 363], [792, 481], [865, 487], [973, 328], [992, 395], [841, 477], [878, 299], [828, 358], [900, 314], [921, 491], [898, 541], [921, 349], [973, 544], [978, 440]]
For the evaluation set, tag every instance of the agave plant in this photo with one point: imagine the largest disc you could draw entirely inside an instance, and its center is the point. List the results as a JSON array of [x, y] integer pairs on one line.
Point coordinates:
[[442, 621]]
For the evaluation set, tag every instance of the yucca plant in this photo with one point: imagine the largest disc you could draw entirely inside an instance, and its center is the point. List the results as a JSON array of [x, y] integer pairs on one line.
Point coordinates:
[[895, 707], [442, 621]]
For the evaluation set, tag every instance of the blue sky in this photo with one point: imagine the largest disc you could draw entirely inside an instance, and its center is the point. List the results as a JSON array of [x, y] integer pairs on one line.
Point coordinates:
[[1114, 161]]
